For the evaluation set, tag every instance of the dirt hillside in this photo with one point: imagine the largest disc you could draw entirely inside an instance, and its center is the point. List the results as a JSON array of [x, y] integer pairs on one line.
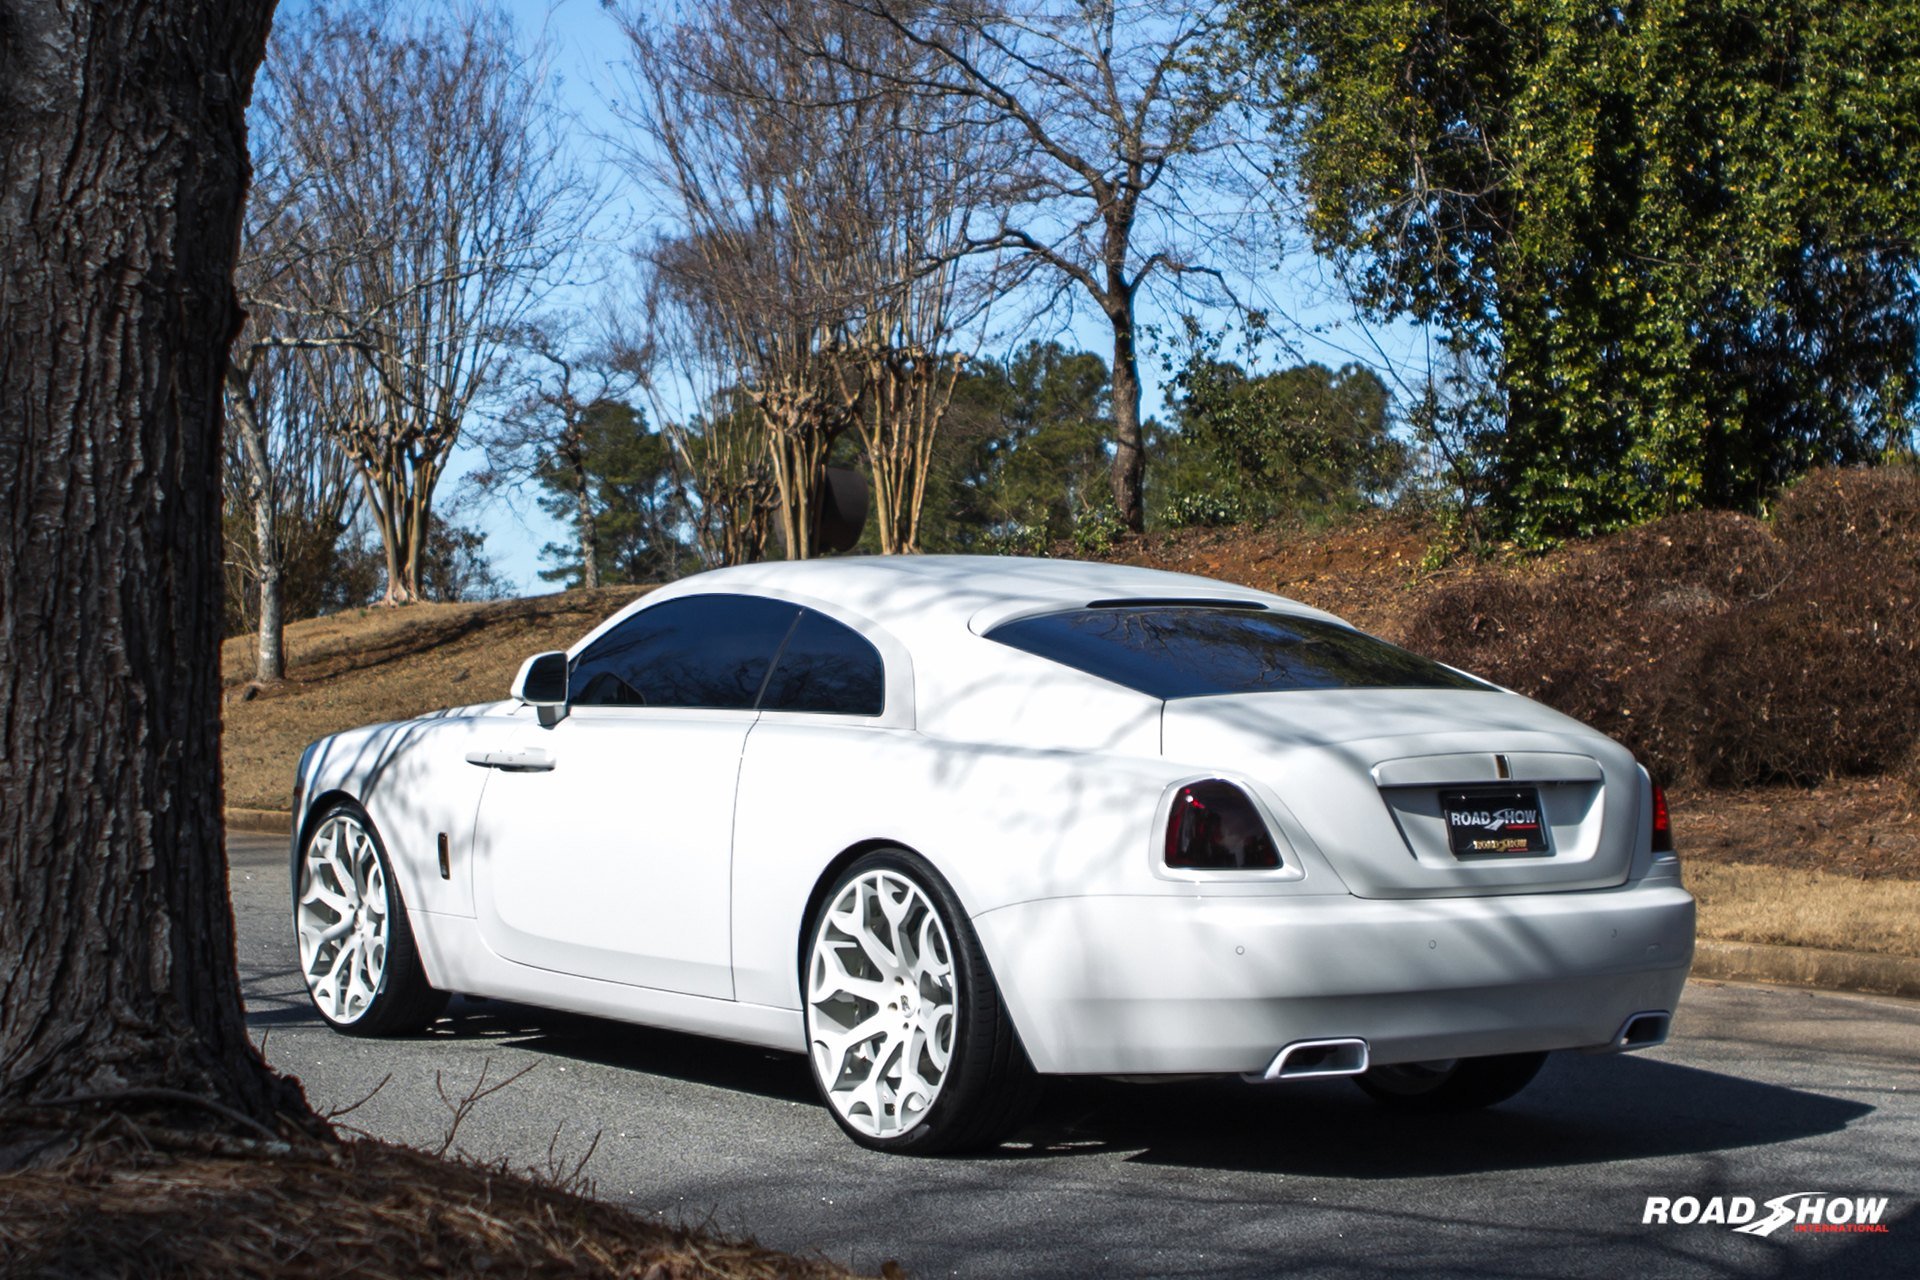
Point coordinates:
[[383, 664]]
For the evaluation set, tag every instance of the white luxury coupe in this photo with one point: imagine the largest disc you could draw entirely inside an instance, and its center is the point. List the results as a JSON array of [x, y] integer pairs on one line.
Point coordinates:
[[946, 823]]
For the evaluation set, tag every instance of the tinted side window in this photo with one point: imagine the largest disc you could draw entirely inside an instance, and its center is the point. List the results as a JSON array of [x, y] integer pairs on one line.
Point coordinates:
[[827, 666], [701, 651], [1188, 652]]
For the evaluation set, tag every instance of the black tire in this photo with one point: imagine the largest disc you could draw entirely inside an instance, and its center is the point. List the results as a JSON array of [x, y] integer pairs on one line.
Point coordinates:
[[403, 1001], [1459, 1084], [989, 1086]]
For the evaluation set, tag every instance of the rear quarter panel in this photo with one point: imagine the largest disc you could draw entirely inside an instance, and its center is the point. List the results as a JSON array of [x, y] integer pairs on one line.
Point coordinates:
[[1001, 824]]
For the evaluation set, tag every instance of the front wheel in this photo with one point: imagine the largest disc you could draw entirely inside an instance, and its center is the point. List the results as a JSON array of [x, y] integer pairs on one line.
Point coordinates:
[[1451, 1084], [910, 1044], [357, 953]]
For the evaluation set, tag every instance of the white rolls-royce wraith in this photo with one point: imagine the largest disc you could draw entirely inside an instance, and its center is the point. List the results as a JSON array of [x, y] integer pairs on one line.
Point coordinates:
[[945, 824]]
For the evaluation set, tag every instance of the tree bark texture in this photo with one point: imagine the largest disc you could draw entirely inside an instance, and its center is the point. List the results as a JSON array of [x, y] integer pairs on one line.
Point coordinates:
[[586, 526], [1129, 446], [269, 664], [122, 169], [898, 399]]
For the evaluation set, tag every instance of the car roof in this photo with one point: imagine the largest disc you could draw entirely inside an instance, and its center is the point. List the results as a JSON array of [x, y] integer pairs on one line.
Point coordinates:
[[909, 593]]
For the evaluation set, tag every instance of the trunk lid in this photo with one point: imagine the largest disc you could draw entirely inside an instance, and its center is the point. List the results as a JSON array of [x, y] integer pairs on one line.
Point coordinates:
[[1371, 775]]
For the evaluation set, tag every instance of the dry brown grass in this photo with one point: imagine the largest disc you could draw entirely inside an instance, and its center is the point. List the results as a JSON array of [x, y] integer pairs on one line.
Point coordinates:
[[1867, 828], [123, 1208], [383, 664], [1799, 907]]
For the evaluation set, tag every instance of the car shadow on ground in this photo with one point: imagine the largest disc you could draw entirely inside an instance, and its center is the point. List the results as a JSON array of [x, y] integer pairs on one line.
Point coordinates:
[[626, 1046], [1580, 1110]]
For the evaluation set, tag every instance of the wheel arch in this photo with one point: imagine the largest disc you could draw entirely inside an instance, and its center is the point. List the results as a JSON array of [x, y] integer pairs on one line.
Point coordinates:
[[823, 885], [317, 810], [397, 867]]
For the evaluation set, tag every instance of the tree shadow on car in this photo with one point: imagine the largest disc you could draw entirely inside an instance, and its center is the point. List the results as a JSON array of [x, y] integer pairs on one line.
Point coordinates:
[[1581, 1110]]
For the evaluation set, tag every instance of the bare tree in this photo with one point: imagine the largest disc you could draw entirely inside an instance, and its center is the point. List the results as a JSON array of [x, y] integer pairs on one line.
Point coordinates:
[[719, 436], [899, 395], [286, 379], [763, 257], [434, 199], [294, 484], [122, 166], [917, 167], [258, 477], [821, 207], [1113, 99]]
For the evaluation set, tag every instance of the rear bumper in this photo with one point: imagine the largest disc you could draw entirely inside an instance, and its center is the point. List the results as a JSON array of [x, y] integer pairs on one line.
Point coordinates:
[[1150, 985]]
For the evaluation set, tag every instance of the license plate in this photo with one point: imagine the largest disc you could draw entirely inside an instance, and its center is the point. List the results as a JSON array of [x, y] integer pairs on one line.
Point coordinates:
[[1506, 822]]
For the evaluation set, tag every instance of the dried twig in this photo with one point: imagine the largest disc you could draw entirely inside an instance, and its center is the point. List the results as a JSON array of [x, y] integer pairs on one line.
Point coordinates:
[[350, 1108], [464, 1107]]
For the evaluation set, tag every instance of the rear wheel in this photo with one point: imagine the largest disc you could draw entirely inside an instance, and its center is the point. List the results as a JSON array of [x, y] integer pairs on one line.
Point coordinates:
[[357, 953], [1451, 1084], [911, 1046]]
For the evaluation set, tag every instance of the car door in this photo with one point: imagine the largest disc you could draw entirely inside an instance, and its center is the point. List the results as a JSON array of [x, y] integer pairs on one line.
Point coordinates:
[[603, 841]]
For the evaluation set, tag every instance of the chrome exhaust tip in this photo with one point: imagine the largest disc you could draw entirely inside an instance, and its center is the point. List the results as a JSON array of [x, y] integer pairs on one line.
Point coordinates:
[[1311, 1059], [1644, 1030]]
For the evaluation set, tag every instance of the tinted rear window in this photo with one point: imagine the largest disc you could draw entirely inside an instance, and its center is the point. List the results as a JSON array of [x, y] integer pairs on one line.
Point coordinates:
[[829, 667], [1192, 652]]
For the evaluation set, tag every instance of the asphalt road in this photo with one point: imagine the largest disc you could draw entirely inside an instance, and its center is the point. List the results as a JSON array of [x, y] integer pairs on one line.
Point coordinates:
[[1762, 1092]]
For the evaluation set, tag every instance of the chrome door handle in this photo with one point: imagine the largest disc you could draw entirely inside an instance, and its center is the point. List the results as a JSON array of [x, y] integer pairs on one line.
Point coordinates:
[[513, 759]]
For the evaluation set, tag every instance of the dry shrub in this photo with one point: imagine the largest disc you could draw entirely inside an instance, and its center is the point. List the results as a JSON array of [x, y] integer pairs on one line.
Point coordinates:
[[1822, 676], [1718, 650], [361, 1209], [1872, 509], [1590, 634]]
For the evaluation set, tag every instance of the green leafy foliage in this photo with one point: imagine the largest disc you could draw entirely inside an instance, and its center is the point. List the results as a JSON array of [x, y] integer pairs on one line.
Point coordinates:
[[632, 499], [1023, 460], [1681, 233], [1300, 442], [1203, 510]]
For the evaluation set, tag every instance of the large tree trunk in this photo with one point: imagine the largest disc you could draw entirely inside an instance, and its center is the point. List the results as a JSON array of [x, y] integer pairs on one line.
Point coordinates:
[[419, 520], [122, 166], [1129, 448]]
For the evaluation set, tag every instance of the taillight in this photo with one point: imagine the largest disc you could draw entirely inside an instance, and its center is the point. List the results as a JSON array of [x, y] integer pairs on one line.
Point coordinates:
[[1214, 826], [1662, 823]]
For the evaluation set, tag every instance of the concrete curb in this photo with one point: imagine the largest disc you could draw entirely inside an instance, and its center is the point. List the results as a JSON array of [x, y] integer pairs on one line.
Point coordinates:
[[1808, 967], [266, 822], [1727, 961]]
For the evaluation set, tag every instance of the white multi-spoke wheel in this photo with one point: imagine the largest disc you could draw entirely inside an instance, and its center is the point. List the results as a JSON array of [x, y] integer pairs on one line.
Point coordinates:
[[1451, 1084], [880, 988], [356, 948], [910, 1044]]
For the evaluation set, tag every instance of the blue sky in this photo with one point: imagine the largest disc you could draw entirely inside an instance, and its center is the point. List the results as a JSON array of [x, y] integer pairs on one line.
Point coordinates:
[[587, 47]]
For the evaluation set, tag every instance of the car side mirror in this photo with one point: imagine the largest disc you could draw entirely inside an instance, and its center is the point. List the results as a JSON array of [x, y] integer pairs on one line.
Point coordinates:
[[542, 683]]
